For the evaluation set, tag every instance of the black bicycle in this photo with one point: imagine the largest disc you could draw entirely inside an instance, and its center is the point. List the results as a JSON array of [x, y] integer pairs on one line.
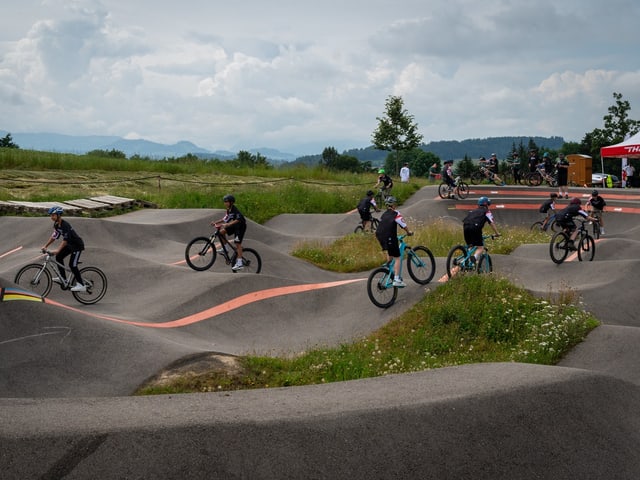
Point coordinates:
[[372, 227], [201, 253], [460, 189], [483, 174], [584, 244]]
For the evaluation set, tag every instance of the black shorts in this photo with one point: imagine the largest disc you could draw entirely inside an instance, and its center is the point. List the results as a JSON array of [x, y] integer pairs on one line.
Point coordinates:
[[365, 216], [237, 231], [473, 237], [391, 246]]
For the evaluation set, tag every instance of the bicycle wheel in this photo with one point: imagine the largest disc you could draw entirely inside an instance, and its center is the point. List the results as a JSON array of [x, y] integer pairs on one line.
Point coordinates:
[[555, 227], [250, 259], [380, 288], [596, 230], [200, 254], [463, 190], [33, 277], [96, 282], [586, 248], [421, 264], [536, 226], [374, 224], [457, 260], [477, 178], [496, 180], [443, 190], [534, 179], [485, 264], [359, 229], [553, 182], [558, 247]]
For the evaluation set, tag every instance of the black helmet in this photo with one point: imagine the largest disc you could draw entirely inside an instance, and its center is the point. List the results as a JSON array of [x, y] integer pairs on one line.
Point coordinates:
[[229, 198], [594, 193], [370, 193]]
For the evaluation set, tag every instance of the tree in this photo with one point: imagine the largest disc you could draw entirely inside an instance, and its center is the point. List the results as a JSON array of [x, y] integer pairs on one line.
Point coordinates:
[[397, 132], [7, 142]]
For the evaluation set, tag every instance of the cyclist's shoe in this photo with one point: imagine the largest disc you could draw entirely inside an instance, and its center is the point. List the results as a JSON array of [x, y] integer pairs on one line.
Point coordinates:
[[397, 282], [58, 280], [601, 231], [566, 196], [238, 266], [79, 288]]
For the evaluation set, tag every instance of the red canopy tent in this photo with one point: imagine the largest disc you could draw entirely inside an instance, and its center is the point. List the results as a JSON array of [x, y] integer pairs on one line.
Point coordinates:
[[630, 148]]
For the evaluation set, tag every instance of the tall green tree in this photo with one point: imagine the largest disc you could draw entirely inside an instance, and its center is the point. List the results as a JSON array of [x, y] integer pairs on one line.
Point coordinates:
[[397, 131]]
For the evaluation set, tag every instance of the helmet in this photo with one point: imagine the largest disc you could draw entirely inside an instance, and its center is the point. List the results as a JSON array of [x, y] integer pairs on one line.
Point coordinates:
[[370, 193], [594, 193], [57, 210], [484, 201], [390, 201], [381, 170], [546, 154], [229, 198], [575, 201], [553, 195]]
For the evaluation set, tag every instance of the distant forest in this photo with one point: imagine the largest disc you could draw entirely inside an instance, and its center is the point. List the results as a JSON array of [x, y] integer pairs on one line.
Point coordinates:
[[454, 149]]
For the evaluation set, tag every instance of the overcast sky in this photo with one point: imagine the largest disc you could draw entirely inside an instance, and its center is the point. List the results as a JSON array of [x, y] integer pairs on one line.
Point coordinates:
[[300, 76]]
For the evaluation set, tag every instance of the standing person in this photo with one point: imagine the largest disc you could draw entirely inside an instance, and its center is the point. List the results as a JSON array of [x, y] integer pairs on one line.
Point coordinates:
[[492, 164], [515, 168], [233, 223], [404, 173], [387, 235], [364, 209], [71, 244], [565, 219], [595, 207], [630, 172], [563, 176], [533, 161], [548, 164], [447, 176], [433, 171], [473, 224], [384, 181]]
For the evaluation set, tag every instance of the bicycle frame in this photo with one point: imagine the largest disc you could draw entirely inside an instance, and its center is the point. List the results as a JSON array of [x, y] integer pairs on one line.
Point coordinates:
[[54, 266]]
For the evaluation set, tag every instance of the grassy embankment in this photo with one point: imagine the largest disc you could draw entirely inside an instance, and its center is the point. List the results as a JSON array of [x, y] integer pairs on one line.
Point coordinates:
[[499, 322]]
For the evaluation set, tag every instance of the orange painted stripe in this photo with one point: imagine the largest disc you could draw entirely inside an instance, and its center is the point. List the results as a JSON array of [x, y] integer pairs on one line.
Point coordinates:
[[11, 251], [218, 309]]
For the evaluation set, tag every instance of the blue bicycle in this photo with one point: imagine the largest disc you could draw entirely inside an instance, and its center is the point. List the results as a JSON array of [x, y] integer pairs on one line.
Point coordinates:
[[461, 259], [421, 266]]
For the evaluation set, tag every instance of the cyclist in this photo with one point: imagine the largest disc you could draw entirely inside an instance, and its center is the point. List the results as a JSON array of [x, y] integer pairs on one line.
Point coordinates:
[[565, 219], [549, 208], [71, 244], [364, 209], [447, 176], [385, 182], [514, 163], [387, 235], [473, 224], [595, 206], [489, 169], [233, 223]]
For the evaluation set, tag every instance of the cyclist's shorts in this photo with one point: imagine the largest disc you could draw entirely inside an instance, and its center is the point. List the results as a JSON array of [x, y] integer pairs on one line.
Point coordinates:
[[390, 245], [473, 237], [567, 224], [238, 231], [365, 216]]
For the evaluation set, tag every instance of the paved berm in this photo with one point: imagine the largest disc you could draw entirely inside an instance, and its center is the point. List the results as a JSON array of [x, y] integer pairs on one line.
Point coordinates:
[[67, 371]]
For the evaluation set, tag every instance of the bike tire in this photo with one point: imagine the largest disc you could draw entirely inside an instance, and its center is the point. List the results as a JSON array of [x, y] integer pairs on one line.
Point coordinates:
[[485, 264], [251, 260], [555, 226], [32, 277], [96, 282], [379, 288], [496, 181], [553, 183], [536, 226], [534, 179], [374, 224], [463, 190], [200, 254], [421, 264], [596, 230], [443, 190], [456, 258], [477, 178], [586, 248], [558, 247], [359, 229]]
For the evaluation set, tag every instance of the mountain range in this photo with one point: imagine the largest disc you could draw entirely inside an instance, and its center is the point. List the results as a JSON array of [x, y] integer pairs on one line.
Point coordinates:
[[444, 149]]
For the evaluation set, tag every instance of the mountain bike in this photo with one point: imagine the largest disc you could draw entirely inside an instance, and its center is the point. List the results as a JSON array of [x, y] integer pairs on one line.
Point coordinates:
[[596, 225], [460, 189], [461, 258], [483, 174], [373, 227], [559, 247], [39, 278], [549, 222], [421, 266], [534, 179], [201, 253], [381, 196]]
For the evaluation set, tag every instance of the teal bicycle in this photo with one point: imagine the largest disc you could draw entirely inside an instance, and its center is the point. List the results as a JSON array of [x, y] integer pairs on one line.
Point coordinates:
[[461, 259], [421, 266]]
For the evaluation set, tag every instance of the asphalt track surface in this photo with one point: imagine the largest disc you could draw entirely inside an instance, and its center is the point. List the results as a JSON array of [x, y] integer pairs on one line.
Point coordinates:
[[67, 370]]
